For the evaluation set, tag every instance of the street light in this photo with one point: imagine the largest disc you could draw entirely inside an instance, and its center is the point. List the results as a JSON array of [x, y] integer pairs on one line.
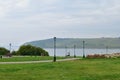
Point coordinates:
[[106, 49], [10, 47], [74, 51], [65, 51], [83, 49], [54, 59]]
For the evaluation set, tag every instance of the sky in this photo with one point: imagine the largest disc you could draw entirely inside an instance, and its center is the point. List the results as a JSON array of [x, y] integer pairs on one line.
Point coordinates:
[[28, 20]]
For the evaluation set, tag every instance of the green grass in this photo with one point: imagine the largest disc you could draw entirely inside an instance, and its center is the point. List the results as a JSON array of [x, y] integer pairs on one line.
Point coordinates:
[[86, 69], [28, 58]]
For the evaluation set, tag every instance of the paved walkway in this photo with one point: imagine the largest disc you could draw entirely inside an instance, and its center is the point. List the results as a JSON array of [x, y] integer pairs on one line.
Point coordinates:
[[27, 62]]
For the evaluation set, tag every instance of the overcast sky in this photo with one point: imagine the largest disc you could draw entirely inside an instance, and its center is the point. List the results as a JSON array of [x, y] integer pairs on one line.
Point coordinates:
[[27, 20]]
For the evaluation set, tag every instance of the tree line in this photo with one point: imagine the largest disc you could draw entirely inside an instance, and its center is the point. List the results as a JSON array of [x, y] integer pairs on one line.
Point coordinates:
[[25, 50]]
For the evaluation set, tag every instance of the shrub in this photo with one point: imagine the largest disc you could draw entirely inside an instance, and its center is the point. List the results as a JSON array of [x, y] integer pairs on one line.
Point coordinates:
[[3, 51], [32, 50], [96, 56]]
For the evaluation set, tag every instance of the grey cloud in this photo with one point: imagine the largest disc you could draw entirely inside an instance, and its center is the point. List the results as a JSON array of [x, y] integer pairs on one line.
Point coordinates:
[[39, 19]]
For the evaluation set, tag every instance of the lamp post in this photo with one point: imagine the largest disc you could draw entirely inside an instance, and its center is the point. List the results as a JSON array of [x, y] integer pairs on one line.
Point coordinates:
[[10, 47], [74, 51], [83, 49], [106, 49], [65, 51], [54, 59]]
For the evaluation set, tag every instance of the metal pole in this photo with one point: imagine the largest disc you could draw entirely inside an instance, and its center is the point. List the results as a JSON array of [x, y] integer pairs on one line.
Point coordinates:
[[106, 49], [10, 47], [74, 51], [65, 51], [83, 49], [54, 60]]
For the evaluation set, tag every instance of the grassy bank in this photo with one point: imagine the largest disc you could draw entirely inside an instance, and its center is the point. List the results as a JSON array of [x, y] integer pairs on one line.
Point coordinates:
[[86, 69], [27, 58]]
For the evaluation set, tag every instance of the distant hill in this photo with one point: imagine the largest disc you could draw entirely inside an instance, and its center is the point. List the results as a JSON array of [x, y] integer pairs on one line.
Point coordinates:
[[70, 42]]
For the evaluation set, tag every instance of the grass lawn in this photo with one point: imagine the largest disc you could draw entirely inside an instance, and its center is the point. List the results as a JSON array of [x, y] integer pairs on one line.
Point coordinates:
[[86, 69], [28, 58]]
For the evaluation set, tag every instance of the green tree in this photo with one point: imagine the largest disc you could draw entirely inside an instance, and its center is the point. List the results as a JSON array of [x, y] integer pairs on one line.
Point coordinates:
[[3, 51], [14, 53], [32, 50]]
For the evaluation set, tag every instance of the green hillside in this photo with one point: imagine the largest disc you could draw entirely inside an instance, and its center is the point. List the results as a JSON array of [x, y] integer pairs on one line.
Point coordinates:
[[70, 42]]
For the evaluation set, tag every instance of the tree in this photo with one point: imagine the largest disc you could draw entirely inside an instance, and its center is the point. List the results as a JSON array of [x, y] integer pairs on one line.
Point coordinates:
[[32, 50], [14, 53], [3, 51]]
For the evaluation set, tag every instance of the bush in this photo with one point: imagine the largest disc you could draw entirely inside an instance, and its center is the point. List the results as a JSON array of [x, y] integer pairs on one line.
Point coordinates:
[[3, 51], [14, 53], [96, 56], [32, 50]]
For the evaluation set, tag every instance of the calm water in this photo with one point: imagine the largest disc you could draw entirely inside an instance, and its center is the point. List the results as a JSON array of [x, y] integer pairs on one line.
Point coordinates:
[[79, 52]]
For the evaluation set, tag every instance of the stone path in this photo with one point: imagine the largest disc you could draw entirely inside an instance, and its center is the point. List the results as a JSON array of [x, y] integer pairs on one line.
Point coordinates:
[[28, 62]]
